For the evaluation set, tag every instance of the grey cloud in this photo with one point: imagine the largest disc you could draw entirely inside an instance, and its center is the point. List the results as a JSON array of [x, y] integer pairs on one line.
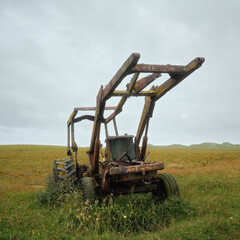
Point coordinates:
[[56, 54]]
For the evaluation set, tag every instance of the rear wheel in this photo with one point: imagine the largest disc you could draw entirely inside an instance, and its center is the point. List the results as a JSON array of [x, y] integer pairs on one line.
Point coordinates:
[[166, 186], [88, 191], [64, 170]]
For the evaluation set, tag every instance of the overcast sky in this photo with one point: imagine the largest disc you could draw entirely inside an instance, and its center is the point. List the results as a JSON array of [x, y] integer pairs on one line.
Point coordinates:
[[54, 55]]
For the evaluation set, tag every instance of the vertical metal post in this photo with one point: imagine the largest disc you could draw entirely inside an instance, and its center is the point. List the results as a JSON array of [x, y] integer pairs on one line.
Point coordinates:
[[72, 134], [68, 136], [115, 126], [106, 130], [144, 142]]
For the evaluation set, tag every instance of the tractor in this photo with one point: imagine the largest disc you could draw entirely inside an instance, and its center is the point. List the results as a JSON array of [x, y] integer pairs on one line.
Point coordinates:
[[125, 167]]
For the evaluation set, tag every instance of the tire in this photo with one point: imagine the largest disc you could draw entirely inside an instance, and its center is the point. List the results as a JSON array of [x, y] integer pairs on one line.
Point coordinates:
[[64, 170], [166, 186], [88, 191]]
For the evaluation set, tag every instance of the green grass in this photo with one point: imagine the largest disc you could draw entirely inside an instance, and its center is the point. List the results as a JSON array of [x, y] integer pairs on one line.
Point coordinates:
[[209, 209], [122, 214]]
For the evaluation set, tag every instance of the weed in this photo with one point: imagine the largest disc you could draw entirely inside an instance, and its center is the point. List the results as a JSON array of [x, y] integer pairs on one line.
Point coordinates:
[[124, 214], [55, 192]]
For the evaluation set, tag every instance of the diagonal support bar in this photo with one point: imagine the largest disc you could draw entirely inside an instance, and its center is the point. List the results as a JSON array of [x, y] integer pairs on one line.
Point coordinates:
[[177, 78], [144, 82], [124, 98], [146, 114], [122, 72]]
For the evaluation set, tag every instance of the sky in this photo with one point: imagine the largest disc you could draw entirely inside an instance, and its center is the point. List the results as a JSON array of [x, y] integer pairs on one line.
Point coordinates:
[[54, 55]]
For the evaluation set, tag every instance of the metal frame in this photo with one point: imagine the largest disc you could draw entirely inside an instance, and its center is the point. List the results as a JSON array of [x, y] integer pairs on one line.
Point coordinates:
[[134, 89]]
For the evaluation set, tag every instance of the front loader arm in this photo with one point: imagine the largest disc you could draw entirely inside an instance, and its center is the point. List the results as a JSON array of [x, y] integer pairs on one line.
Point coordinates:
[[120, 75], [177, 73], [176, 78], [103, 96], [134, 88]]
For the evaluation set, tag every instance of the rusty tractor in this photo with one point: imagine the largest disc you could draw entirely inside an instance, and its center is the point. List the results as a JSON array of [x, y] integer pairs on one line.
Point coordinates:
[[124, 167]]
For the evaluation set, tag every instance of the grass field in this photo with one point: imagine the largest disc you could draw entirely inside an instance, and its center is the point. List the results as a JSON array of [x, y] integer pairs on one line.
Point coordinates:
[[209, 182]]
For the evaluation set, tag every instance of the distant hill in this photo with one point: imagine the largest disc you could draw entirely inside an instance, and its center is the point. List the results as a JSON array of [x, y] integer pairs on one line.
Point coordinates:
[[205, 145]]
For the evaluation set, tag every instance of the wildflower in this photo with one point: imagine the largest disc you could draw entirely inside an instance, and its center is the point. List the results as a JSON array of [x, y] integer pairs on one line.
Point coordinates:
[[231, 218], [124, 216], [78, 216], [97, 219]]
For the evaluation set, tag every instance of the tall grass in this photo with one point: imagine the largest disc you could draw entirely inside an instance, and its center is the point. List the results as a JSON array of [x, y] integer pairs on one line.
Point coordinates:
[[54, 193], [125, 214]]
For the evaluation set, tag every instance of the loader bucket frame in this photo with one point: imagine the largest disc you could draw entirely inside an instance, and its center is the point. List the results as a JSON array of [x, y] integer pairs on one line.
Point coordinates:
[[135, 88]]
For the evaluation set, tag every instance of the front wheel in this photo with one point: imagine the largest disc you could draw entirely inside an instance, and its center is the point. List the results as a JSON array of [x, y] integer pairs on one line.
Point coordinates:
[[88, 191], [166, 186]]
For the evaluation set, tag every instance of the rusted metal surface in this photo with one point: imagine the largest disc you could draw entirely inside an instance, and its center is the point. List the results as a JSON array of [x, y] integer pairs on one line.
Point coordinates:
[[115, 126], [132, 83], [144, 82], [135, 177], [96, 156], [97, 122], [135, 169], [175, 79], [146, 114], [125, 170], [144, 148], [84, 117], [146, 68], [122, 156], [139, 94], [135, 189], [118, 109], [122, 72], [92, 108], [75, 111]]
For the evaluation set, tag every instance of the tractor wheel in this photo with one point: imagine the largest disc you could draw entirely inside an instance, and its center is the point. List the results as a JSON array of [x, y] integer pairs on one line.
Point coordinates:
[[64, 170], [166, 186], [88, 191]]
